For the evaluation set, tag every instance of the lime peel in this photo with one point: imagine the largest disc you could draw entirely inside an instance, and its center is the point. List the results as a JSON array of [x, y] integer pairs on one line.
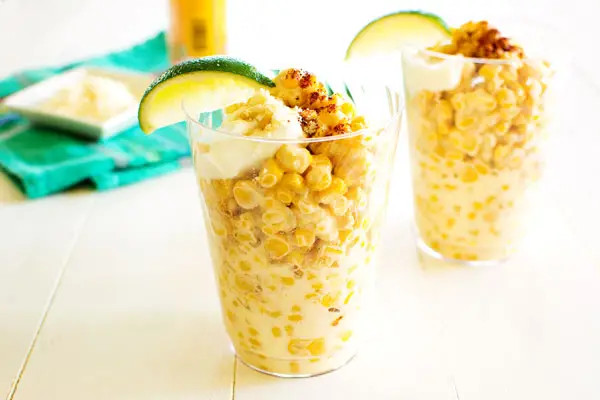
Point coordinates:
[[206, 84], [432, 25]]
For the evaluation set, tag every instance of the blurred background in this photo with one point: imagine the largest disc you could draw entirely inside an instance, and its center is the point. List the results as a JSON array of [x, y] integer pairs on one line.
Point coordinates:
[[40, 33]]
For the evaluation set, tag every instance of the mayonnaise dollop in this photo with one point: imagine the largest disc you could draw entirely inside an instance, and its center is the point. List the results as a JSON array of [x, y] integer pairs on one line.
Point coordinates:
[[221, 156], [439, 74]]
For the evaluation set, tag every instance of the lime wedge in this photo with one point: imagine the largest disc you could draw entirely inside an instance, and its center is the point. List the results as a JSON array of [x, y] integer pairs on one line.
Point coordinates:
[[204, 84], [393, 31]]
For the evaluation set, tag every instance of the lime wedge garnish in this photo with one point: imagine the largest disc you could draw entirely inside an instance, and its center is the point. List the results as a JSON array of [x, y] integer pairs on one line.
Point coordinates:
[[205, 84], [393, 31]]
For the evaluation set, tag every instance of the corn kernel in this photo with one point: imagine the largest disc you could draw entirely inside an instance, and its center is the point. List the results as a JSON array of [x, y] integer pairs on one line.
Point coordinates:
[[326, 229], [337, 186], [296, 256], [244, 283], [294, 367], [246, 195], [470, 144], [345, 223], [317, 347], [358, 123], [506, 98], [346, 336], [294, 182], [327, 300], [304, 237], [255, 342], [454, 155], [295, 317], [358, 196], [244, 266], [339, 206], [293, 158], [230, 315], [458, 101], [488, 71], [464, 122], [285, 196], [306, 207], [348, 109], [321, 160], [270, 174], [277, 246], [287, 280], [332, 253], [482, 169], [500, 153], [298, 346], [469, 175], [318, 177], [347, 299], [274, 216]]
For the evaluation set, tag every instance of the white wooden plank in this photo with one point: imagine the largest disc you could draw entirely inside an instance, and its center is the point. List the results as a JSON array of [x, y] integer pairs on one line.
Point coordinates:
[[136, 315], [36, 238], [529, 329]]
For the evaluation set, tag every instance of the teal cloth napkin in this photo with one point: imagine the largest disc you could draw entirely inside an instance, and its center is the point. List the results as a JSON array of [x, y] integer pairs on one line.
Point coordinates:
[[43, 161]]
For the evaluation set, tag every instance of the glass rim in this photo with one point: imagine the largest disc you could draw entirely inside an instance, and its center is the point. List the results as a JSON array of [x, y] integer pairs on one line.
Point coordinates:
[[475, 60], [397, 115]]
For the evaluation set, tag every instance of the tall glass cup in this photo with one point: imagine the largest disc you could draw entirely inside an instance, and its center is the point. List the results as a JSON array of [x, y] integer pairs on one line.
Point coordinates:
[[476, 128], [293, 264]]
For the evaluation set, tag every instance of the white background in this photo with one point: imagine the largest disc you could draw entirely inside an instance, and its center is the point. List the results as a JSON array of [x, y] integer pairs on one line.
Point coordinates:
[[44, 32]]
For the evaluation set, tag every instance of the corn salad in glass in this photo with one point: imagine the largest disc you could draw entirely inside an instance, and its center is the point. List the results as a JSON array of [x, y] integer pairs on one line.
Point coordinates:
[[294, 186], [477, 114]]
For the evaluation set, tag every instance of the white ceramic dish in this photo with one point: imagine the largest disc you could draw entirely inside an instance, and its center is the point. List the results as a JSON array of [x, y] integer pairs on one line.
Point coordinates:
[[28, 101]]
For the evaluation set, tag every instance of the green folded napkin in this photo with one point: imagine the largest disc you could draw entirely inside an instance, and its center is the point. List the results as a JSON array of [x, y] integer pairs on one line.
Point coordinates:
[[44, 161]]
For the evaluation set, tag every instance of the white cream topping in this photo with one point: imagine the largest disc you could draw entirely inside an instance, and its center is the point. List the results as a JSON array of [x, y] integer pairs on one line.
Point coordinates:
[[222, 157], [433, 75]]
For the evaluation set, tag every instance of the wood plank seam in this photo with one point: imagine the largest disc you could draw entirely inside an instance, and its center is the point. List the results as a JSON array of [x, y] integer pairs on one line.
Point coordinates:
[[455, 389], [21, 371], [235, 363]]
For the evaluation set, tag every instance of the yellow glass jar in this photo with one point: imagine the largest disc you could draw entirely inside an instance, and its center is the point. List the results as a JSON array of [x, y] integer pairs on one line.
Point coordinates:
[[197, 28]]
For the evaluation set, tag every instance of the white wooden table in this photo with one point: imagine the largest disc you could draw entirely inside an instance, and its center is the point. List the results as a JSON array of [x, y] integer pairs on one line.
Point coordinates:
[[111, 296]]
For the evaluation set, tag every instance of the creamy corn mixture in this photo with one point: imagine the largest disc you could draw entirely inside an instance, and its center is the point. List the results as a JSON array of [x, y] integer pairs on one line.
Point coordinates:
[[293, 230], [474, 142]]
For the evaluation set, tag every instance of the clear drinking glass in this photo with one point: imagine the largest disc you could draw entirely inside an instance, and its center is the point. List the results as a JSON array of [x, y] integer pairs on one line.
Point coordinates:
[[476, 129], [293, 264]]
